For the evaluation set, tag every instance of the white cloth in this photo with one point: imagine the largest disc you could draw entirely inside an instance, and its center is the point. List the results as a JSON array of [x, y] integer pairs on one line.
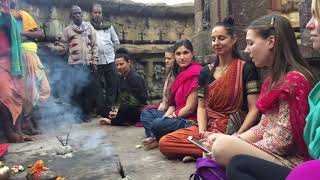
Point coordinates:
[[107, 40]]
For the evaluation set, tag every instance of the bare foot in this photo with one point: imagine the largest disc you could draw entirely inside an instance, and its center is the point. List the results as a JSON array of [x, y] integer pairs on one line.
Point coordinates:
[[150, 143], [187, 159], [105, 121], [14, 138], [33, 132], [26, 137]]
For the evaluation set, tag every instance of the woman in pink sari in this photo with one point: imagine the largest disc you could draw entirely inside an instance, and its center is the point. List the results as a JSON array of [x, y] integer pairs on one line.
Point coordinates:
[[182, 99], [283, 101]]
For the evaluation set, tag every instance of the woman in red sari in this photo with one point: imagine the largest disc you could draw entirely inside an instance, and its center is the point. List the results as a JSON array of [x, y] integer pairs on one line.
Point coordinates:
[[283, 100], [227, 93]]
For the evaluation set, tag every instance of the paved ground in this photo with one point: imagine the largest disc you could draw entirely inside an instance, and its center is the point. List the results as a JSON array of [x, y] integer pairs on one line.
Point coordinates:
[[95, 148]]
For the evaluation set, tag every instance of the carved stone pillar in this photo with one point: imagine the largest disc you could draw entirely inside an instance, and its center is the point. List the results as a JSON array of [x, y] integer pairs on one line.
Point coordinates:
[[53, 26], [198, 15]]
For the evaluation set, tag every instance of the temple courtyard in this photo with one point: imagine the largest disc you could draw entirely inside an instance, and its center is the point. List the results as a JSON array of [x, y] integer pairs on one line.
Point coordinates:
[[95, 151]]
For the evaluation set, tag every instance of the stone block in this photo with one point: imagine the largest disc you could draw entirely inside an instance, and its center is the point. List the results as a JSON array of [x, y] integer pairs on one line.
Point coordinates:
[[198, 22], [202, 43], [198, 5]]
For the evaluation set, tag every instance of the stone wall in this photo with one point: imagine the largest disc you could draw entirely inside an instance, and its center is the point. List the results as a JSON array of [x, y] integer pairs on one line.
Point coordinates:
[[145, 30], [207, 13], [244, 12]]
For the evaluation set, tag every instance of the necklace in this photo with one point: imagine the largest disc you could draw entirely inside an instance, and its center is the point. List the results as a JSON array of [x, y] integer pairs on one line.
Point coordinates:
[[223, 69]]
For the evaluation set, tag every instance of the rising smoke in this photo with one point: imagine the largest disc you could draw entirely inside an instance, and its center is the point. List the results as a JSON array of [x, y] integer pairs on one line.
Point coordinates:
[[60, 110]]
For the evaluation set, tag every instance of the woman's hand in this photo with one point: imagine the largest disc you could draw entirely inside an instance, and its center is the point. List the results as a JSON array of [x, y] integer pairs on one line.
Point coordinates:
[[201, 133], [211, 138], [204, 134], [169, 116], [214, 136], [162, 107]]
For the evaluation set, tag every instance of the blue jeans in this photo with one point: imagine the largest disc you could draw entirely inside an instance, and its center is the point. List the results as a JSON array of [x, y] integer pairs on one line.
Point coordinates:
[[156, 125]]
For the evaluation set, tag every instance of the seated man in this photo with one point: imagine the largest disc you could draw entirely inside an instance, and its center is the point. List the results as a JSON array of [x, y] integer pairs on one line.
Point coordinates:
[[132, 94]]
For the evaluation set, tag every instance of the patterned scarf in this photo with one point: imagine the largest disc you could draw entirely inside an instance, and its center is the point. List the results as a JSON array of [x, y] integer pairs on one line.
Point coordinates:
[[84, 26], [312, 129], [183, 85], [103, 25]]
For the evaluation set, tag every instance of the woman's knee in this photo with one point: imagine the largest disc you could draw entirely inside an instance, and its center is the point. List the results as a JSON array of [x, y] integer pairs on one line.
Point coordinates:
[[220, 147], [145, 115], [168, 145], [238, 161], [156, 124], [163, 144], [237, 164]]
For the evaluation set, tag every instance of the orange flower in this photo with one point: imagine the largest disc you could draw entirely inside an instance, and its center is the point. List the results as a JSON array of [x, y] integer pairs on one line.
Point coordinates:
[[60, 178], [38, 167]]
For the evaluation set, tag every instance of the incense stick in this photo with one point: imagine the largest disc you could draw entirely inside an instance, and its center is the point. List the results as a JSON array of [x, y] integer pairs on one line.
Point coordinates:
[[120, 167], [60, 140], [67, 139]]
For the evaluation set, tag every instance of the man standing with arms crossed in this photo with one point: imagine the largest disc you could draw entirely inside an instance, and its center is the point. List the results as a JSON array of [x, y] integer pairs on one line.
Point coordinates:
[[108, 79]]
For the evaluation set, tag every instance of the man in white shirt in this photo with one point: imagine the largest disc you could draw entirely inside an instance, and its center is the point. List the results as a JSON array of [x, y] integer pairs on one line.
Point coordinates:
[[108, 77]]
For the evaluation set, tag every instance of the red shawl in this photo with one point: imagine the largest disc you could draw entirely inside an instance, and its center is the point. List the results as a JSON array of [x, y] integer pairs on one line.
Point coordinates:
[[295, 89], [182, 86]]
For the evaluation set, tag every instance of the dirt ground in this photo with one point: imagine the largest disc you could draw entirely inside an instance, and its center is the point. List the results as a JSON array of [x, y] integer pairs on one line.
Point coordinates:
[[95, 149]]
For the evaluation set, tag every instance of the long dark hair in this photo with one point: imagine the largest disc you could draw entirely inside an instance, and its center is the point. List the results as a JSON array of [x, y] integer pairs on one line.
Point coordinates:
[[286, 54], [187, 44], [169, 70], [228, 24]]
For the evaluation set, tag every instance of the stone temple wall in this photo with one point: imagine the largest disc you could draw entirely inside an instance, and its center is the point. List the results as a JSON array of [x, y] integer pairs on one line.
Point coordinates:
[[145, 30], [208, 12]]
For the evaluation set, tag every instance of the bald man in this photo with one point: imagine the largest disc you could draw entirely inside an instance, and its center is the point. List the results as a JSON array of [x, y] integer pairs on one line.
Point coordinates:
[[79, 38]]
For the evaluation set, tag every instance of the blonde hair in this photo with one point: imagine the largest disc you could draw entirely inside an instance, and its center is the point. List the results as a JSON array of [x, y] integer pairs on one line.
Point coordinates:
[[315, 8]]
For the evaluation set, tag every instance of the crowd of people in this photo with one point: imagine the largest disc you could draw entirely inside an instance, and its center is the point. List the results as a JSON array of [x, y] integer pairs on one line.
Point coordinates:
[[246, 124]]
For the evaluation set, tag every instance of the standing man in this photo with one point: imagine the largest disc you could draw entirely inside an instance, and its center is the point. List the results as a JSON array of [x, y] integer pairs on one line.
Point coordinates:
[[108, 79], [79, 38]]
